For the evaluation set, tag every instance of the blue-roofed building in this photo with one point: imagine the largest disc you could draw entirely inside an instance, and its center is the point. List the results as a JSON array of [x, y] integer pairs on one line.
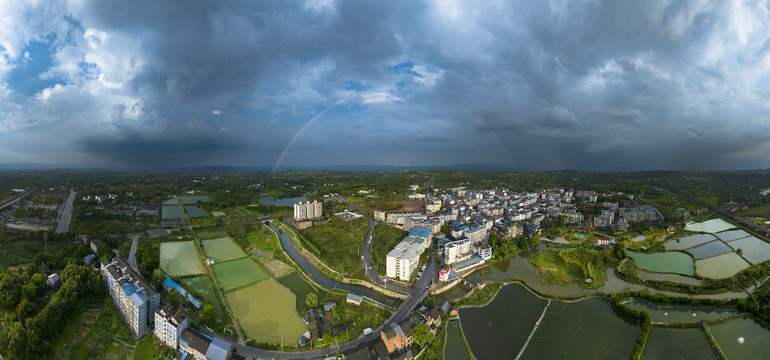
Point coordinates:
[[194, 345], [171, 284]]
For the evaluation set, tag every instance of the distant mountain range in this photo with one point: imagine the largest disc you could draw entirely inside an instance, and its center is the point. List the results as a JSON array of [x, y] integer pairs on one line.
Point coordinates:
[[245, 169]]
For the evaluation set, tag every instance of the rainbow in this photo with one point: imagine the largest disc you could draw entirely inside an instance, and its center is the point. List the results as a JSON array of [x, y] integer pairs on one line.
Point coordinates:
[[301, 130]]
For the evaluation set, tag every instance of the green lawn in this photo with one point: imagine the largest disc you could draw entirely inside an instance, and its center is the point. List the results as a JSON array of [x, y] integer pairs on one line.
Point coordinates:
[[266, 313], [238, 273], [553, 269], [144, 348], [385, 239], [339, 244], [222, 249], [180, 258]]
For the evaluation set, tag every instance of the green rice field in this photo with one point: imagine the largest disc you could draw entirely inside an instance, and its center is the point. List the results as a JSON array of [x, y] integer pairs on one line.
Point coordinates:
[[265, 312], [237, 273], [180, 258], [202, 285], [222, 249]]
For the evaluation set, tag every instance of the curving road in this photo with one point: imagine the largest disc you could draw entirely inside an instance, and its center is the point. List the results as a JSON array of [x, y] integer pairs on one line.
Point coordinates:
[[417, 294]]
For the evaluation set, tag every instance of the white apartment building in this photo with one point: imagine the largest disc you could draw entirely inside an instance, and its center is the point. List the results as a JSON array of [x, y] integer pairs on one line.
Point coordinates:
[[477, 234], [457, 251], [135, 299], [308, 210], [169, 325], [404, 258]]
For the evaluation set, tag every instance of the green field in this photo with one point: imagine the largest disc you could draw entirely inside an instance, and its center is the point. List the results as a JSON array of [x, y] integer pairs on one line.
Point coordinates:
[[203, 287], [180, 258], [238, 273], [222, 249], [144, 348], [385, 239], [93, 334], [266, 314], [339, 244]]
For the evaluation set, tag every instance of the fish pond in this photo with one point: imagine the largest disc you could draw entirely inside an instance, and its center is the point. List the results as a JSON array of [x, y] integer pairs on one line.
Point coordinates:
[[665, 262], [733, 235], [686, 344], [454, 348], [711, 226], [668, 314], [582, 329], [742, 339], [722, 266], [669, 277], [752, 249], [689, 241], [710, 249], [267, 200]]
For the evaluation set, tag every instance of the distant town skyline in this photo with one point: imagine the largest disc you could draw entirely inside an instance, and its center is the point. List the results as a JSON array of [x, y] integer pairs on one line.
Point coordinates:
[[548, 85]]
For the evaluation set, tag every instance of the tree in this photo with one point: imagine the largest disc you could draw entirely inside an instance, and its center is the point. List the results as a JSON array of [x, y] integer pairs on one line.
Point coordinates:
[[34, 286], [10, 291], [421, 334], [311, 300], [209, 315], [175, 298]]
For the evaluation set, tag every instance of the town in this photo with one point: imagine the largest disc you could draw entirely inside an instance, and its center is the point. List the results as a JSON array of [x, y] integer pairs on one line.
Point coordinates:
[[387, 271]]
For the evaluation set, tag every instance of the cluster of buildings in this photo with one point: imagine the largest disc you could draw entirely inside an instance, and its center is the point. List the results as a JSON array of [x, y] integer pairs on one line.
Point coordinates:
[[395, 341], [305, 212], [138, 303], [405, 257]]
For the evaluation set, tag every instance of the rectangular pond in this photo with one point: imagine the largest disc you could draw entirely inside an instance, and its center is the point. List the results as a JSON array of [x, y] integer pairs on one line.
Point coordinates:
[[689, 241], [722, 266], [752, 249], [585, 329], [667, 262], [669, 277], [499, 329], [710, 249], [454, 348], [742, 339], [711, 226], [686, 344], [676, 315], [195, 211], [171, 212], [266, 200], [733, 235]]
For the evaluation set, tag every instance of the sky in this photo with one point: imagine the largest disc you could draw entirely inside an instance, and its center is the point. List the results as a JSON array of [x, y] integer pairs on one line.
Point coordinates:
[[536, 85]]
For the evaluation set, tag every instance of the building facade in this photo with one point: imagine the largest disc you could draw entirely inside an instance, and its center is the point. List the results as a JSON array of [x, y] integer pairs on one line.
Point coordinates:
[[196, 346], [308, 210], [135, 299], [169, 325]]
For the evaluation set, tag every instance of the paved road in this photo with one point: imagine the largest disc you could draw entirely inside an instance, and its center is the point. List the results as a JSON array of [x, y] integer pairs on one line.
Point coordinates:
[[65, 214], [761, 231], [366, 258], [132, 254], [321, 279], [418, 292]]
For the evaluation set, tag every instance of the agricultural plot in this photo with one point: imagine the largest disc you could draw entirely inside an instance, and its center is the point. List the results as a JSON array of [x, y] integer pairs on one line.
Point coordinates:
[[180, 258], [237, 273], [195, 211], [171, 213], [222, 249], [752, 249], [300, 288], [266, 313], [711, 226]]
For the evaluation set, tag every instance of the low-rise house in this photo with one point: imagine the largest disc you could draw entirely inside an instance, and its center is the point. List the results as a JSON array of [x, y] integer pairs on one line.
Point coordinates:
[[354, 299], [53, 280], [196, 346], [398, 337], [329, 305]]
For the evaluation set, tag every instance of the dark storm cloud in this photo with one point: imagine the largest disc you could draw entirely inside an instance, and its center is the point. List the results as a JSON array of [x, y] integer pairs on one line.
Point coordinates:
[[545, 85]]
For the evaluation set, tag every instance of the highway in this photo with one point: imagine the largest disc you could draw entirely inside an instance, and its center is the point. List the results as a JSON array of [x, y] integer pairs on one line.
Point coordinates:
[[762, 232], [64, 218]]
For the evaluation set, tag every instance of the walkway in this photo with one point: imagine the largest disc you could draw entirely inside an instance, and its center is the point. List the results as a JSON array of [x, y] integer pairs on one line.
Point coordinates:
[[521, 352]]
